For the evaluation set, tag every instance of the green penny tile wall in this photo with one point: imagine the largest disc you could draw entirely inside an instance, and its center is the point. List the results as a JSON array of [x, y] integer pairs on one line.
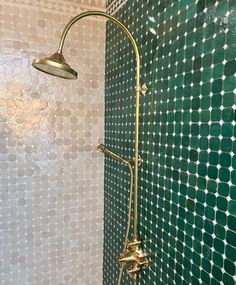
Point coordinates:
[[187, 182]]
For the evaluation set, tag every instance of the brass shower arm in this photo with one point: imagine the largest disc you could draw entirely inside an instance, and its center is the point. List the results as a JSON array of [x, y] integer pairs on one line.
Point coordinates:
[[116, 21]]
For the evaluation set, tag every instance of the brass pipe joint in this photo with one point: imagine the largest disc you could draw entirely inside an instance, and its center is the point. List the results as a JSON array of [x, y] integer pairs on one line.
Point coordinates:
[[135, 257]]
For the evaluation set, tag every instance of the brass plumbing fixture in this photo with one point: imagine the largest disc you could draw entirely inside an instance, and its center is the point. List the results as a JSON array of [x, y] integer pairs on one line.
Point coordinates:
[[102, 148], [57, 66], [132, 254], [135, 257]]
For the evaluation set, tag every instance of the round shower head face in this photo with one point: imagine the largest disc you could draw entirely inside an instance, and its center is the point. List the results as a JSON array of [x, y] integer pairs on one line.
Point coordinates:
[[55, 65]]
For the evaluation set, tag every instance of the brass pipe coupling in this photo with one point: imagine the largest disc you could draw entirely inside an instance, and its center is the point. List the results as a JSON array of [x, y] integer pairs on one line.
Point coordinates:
[[143, 89]]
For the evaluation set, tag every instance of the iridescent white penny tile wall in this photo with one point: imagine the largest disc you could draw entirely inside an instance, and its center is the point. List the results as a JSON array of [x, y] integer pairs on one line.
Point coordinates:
[[51, 177]]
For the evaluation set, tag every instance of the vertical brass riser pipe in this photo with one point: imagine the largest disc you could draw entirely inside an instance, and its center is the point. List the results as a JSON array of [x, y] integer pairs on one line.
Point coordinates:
[[138, 91]]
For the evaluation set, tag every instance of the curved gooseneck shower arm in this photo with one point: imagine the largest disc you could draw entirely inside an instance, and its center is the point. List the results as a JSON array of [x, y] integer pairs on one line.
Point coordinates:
[[138, 91], [116, 21], [57, 66]]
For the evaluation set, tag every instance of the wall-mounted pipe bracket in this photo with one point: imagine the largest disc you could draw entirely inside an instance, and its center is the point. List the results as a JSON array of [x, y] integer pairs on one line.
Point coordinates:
[[144, 89]]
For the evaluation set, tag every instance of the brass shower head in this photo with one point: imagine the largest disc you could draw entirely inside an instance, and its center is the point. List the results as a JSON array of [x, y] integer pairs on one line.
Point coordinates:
[[55, 65]]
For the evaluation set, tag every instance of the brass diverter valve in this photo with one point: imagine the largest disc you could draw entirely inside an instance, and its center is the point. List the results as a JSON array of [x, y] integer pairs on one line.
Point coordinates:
[[135, 257]]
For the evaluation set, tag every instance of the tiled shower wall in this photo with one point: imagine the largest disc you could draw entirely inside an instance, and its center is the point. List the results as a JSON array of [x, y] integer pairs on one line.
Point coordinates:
[[187, 184], [51, 177]]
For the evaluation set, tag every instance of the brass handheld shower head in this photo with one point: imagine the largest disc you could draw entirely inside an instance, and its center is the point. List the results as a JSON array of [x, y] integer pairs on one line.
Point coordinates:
[[102, 148]]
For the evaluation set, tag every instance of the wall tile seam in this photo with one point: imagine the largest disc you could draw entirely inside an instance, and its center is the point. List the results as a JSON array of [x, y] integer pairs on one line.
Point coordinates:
[[57, 8], [44, 186], [115, 6]]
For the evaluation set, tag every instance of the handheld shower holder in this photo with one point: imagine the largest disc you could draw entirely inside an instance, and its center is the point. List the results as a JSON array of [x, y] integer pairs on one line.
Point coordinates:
[[140, 161]]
